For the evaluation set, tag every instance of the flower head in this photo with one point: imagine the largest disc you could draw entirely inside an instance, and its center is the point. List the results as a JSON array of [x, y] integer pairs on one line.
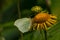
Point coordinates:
[[43, 21], [36, 9]]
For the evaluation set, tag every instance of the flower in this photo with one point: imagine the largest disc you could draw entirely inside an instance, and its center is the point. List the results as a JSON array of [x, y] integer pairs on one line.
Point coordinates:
[[36, 9], [43, 21]]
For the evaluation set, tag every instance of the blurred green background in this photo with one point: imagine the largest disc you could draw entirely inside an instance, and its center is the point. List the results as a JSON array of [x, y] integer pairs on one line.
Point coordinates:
[[11, 10]]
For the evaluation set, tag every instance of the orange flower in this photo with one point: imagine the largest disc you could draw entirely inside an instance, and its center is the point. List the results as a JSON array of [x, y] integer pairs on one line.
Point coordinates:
[[43, 21]]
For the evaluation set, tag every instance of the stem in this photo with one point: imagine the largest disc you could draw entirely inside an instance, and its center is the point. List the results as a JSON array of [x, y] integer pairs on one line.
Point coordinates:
[[21, 36], [1, 3], [18, 5], [45, 33], [48, 6]]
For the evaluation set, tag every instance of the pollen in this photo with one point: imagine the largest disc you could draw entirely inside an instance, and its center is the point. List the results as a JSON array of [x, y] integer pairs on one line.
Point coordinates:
[[43, 21]]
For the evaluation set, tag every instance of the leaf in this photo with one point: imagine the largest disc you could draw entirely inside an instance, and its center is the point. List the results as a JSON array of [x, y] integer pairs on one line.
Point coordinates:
[[55, 8], [7, 25], [23, 24], [11, 34], [34, 35], [53, 33]]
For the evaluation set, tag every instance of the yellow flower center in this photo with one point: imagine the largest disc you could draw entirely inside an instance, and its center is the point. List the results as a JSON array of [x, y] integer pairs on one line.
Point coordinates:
[[41, 17]]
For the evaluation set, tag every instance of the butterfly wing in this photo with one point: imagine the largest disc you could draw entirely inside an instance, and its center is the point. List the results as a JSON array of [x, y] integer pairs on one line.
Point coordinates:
[[23, 24]]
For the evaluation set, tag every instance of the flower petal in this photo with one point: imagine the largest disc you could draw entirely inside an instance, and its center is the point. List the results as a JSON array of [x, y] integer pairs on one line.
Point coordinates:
[[45, 27], [48, 24], [38, 27]]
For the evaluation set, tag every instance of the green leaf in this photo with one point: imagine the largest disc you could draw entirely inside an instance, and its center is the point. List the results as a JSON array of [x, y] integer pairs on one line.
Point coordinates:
[[34, 35], [54, 32], [55, 8], [7, 25], [11, 34]]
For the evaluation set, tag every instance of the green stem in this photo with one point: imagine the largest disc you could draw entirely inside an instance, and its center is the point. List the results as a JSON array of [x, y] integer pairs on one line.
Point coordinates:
[[45, 33], [48, 6], [18, 5], [21, 36]]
